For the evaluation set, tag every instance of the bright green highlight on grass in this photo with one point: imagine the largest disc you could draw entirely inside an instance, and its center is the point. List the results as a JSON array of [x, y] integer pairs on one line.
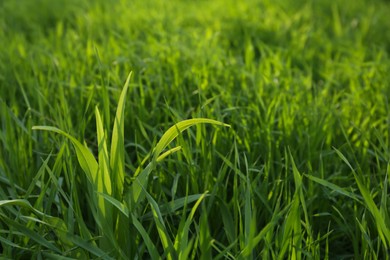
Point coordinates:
[[250, 129], [103, 173]]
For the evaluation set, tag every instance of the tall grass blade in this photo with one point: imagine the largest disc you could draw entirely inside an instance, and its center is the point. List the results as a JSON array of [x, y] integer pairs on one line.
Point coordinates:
[[117, 156], [162, 231], [103, 178], [183, 235]]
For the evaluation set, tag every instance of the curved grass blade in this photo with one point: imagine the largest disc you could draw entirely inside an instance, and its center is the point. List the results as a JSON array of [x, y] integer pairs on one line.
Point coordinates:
[[175, 130], [21, 203], [141, 180], [85, 157], [88, 163]]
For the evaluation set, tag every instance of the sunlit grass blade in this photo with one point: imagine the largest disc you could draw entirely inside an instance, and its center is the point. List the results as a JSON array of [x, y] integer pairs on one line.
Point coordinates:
[[103, 178], [140, 181], [117, 157], [86, 159], [94, 173], [297, 247], [138, 186], [182, 238], [289, 237], [169, 152], [175, 130], [162, 231], [120, 206], [104, 173]]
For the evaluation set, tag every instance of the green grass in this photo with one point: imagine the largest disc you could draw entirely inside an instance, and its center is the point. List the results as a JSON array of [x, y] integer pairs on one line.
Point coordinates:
[[96, 166]]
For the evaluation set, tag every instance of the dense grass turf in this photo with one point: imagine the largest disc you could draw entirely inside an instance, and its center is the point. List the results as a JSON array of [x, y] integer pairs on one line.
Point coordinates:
[[301, 173]]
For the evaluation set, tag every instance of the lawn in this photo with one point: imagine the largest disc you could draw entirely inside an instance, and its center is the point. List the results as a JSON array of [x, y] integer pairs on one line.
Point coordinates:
[[221, 129]]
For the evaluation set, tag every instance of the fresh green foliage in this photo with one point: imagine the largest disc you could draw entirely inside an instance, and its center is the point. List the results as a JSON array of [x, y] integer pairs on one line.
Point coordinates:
[[103, 173], [248, 129]]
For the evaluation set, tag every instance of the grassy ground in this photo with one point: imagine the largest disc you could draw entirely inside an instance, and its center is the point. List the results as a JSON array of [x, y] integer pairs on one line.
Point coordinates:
[[301, 173]]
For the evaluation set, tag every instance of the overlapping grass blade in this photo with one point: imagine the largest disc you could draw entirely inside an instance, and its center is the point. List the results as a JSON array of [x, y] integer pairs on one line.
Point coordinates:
[[86, 159], [146, 238], [103, 178], [175, 130], [140, 181], [162, 231], [205, 239], [182, 239]]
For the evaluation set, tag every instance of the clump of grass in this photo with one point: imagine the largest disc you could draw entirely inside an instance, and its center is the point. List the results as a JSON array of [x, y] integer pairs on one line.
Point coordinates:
[[116, 208]]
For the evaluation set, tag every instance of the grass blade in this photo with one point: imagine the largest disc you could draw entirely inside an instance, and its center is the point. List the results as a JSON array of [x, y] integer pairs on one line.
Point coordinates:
[[147, 240], [175, 130], [162, 231], [332, 187], [104, 181], [117, 156], [85, 157]]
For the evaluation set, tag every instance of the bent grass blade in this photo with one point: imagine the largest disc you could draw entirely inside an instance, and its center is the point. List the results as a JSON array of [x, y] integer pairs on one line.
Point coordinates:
[[85, 157], [142, 176], [175, 130]]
